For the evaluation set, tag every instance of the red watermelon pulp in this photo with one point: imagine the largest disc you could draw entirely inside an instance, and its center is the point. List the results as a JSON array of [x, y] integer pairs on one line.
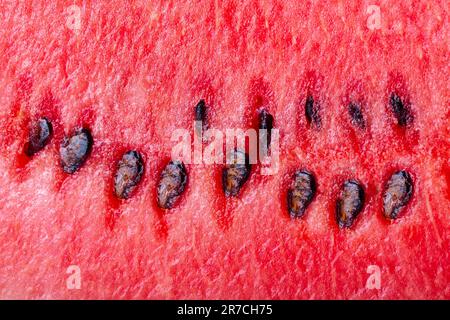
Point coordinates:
[[132, 74]]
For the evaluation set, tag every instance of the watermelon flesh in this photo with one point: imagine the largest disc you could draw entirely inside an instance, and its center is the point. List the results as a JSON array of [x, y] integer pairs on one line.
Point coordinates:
[[133, 73]]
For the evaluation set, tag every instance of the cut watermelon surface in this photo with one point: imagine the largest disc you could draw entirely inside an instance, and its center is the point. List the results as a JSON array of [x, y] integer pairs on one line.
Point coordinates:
[[133, 73]]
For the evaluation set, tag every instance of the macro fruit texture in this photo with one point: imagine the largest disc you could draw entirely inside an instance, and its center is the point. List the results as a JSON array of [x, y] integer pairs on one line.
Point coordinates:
[[354, 97]]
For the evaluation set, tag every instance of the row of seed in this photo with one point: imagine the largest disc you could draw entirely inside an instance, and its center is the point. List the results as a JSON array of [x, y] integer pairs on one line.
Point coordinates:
[[75, 149]]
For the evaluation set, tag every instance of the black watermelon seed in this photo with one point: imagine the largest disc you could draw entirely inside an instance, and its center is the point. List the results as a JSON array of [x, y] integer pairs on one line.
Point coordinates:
[[265, 123], [40, 135], [397, 193], [312, 112], [235, 173], [172, 183], [200, 111], [128, 175], [200, 114], [75, 149], [400, 110], [356, 115], [301, 193], [349, 203]]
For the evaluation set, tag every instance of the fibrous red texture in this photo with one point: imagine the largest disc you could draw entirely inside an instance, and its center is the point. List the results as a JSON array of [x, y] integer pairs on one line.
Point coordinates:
[[133, 73]]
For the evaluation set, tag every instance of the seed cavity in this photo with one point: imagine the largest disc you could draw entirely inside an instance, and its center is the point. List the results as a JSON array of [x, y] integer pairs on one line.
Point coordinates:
[[349, 203], [40, 135], [265, 132], [128, 175], [400, 110], [172, 183], [356, 114], [75, 149], [235, 173], [397, 193], [301, 193], [200, 115], [312, 112]]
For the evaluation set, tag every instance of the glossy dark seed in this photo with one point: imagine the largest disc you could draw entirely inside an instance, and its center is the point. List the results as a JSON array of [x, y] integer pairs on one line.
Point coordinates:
[[75, 149], [172, 183], [301, 193], [129, 173], [400, 110], [200, 114], [356, 115], [397, 193], [235, 173], [312, 112], [39, 137], [349, 203], [265, 135]]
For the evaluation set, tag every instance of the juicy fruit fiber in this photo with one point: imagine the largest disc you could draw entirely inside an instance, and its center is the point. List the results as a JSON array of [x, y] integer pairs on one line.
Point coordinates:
[[132, 73]]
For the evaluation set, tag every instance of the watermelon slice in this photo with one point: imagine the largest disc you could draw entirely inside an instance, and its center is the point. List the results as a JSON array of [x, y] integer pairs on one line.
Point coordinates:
[[358, 92]]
